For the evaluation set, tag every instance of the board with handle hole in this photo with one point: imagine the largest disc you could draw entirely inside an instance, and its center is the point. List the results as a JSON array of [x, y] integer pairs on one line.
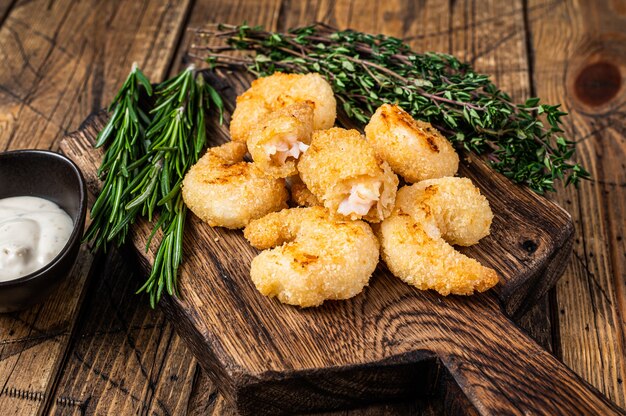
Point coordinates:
[[390, 342]]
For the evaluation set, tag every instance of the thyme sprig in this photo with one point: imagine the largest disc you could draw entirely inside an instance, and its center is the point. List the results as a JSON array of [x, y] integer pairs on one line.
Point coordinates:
[[150, 146], [522, 141]]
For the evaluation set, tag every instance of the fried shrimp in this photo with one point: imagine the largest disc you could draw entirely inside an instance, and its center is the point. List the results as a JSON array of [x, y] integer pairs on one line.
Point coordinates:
[[343, 172], [277, 143], [277, 91], [414, 149], [301, 195], [315, 258], [428, 217], [225, 191]]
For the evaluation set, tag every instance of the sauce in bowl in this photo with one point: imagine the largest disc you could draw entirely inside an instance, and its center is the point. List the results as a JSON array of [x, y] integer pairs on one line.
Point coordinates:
[[33, 231]]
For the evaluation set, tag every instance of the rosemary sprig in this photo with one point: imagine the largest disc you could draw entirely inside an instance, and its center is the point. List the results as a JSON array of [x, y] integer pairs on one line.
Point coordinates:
[[176, 135], [149, 150], [124, 136], [369, 70]]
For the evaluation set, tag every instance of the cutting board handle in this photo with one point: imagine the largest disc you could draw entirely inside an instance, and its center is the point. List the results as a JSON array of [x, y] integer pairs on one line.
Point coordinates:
[[502, 370]]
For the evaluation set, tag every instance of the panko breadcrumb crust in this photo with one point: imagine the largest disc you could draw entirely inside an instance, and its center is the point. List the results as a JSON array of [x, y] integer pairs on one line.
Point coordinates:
[[461, 212], [413, 238], [336, 158], [225, 191], [300, 194], [315, 258], [294, 120], [414, 149], [280, 90]]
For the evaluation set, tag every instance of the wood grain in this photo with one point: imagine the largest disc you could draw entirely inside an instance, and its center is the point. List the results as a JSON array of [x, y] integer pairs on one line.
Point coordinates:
[[585, 70], [34, 343], [51, 76], [142, 368], [269, 358]]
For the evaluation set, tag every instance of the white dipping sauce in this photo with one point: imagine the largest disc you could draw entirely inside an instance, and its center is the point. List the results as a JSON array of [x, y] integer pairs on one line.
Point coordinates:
[[32, 232]]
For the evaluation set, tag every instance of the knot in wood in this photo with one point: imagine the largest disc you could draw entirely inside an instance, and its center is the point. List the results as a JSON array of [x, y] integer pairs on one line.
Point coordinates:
[[598, 83], [529, 246]]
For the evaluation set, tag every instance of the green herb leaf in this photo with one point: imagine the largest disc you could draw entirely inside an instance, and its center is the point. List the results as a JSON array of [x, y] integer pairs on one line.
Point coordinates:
[[368, 70]]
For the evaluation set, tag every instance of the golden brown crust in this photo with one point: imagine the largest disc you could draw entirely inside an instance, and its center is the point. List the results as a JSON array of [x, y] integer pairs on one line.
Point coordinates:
[[293, 123], [315, 258], [225, 191], [415, 238], [277, 91], [301, 195], [414, 149], [336, 159], [462, 212]]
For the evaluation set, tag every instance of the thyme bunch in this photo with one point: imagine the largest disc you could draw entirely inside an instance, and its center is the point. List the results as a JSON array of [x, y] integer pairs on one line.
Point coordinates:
[[522, 141]]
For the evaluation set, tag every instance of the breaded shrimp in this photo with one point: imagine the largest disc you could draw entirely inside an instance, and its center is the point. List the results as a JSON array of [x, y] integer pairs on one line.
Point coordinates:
[[415, 239], [277, 91], [414, 149], [315, 258], [225, 191], [461, 212], [341, 169], [301, 195], [277, 143]]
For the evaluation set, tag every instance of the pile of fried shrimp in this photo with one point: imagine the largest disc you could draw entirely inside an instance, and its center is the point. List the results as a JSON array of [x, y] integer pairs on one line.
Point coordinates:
[[323, 204]]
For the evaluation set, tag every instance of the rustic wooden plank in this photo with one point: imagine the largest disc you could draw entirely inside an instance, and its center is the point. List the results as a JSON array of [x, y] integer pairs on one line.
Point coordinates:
[[125, 358], [5, 9], [53, 75], [61, 61], [33, 343], [580, 61]]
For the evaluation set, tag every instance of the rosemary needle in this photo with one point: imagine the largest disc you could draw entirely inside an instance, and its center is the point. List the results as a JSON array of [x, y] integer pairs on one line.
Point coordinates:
[[124, 137], [149, 150], [177, 135]]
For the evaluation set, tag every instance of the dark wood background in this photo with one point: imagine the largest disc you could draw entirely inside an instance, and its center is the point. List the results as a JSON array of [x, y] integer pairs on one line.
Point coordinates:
[[95, 348]]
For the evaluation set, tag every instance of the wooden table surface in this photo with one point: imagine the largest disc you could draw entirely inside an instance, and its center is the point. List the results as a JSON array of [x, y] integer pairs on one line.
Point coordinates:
[[96, 348]]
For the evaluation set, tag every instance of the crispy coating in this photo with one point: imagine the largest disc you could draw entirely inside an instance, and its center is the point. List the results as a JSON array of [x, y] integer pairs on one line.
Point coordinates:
[[315, 258], [301, 195], [414, 149], [415, 239], [342, 170], [277, 143], [225, 191], [277, 91], [461, 212]]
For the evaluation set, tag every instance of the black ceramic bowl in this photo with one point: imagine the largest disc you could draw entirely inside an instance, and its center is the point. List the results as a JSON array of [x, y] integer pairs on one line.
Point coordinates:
[[56, 178]]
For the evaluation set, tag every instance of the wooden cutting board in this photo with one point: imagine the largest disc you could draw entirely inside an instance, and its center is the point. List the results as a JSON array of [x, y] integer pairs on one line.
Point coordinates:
[[391, 341]]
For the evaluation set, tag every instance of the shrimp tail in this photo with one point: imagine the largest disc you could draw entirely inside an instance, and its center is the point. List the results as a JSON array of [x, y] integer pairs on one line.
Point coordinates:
[[229, 153], [272, 230]]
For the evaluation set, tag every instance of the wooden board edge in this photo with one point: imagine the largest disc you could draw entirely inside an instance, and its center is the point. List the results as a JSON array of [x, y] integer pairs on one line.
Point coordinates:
[[263, 393], [517, 300]]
